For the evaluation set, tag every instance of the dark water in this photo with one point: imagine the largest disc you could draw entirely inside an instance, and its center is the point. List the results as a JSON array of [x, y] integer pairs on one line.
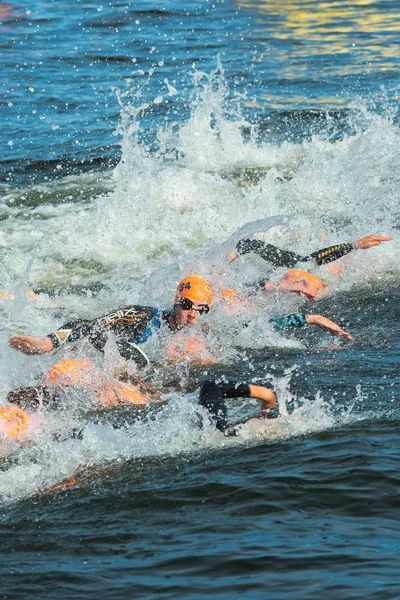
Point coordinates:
[[303, 515], [135, 137], [295, 519]]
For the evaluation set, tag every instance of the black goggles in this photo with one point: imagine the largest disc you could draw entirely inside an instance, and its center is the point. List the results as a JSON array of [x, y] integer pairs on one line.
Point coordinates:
[[187, 304]]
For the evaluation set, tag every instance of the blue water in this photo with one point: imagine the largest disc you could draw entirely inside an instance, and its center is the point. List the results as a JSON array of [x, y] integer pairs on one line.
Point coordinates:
[[62, 62], [135, 138]]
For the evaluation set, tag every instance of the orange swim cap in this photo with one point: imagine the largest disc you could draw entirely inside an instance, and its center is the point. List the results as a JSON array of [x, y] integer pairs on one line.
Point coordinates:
[[69, 372], [312, 282], [14, 422], [195, 288]]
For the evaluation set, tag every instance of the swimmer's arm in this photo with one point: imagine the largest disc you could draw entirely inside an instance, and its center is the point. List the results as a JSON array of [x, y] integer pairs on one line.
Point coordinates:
[[328, 325], [70, 332], [268, 397], [270, 253], [327, 255], [31, 345], [285, 258], [296, 321]]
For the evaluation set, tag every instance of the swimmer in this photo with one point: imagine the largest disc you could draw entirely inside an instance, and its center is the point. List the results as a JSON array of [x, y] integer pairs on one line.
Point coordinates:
[[300, 282], [212, 398], [296, 280], [131, 326], [81, 375], [15, 423], [134, 325]]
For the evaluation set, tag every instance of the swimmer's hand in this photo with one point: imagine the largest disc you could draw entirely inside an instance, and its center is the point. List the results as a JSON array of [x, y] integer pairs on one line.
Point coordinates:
[[299, 287], [266, 395], [31, 345], [328, 325], [233, 256], [370, 240]]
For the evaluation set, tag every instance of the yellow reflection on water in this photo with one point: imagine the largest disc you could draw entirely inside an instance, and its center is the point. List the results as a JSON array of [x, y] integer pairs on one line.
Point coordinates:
[[280, 101], [367, 33]]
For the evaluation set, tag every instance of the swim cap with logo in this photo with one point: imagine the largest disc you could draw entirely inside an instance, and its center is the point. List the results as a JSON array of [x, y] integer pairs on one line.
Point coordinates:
[[195, 288]]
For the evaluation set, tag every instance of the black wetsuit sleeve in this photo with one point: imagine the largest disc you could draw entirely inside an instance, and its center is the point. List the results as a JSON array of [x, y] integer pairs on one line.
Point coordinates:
[[213, 394], [71, 332], [212, 397], [272, 254], [327, 255], [131, 325], [286, 258]]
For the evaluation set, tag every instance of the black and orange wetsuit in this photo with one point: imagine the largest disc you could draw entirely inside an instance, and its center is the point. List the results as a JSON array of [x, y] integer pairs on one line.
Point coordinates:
[[132, 325], [286, 258]]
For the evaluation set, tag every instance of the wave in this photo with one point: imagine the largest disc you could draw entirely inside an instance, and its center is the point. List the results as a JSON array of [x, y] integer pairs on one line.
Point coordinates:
[[47, 465]]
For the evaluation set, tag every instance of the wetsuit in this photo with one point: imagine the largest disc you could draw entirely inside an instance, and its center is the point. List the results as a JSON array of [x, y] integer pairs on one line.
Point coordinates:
[[212, 397], [289, 322], [131, 326], [286, 258]]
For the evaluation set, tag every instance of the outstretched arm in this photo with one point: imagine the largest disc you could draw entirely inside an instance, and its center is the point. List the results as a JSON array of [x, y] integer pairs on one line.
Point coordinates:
[[328, 325], [296, 321], [327, 255], [31, 345], [286, 258], [35, 345]]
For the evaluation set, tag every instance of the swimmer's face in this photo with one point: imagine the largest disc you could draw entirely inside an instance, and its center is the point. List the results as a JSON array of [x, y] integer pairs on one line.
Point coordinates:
[[187, 313]]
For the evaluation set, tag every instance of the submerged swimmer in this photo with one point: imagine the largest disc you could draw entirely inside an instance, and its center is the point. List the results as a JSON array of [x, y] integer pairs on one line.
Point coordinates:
[[82, 376], [16, 423], [298, 280]]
